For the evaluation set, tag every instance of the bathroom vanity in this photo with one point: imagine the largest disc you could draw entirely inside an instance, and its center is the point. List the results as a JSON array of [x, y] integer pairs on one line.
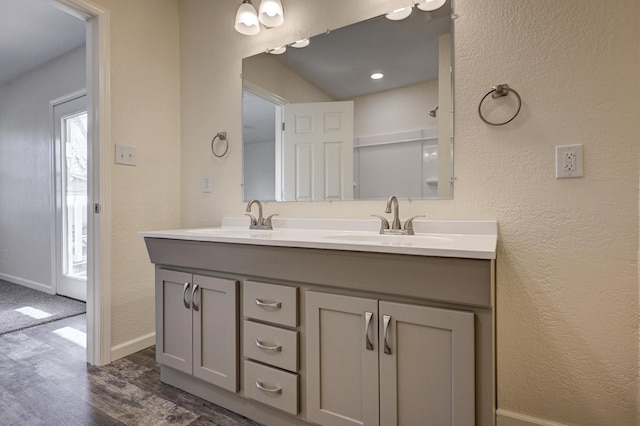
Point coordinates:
[[329, 322]]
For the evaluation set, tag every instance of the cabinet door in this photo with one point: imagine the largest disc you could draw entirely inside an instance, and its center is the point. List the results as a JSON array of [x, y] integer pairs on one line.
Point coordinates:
[[426, 366], [173, 319], [215, 331], [342, 360]]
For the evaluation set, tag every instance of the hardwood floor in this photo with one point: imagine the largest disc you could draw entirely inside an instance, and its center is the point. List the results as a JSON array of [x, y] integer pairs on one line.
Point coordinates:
[[44, 380]]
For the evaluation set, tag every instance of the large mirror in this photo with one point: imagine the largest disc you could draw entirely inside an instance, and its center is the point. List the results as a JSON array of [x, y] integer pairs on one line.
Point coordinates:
[[317, 126]]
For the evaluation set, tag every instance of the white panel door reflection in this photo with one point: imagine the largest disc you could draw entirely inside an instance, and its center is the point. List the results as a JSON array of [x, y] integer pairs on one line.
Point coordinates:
[[317, 151]]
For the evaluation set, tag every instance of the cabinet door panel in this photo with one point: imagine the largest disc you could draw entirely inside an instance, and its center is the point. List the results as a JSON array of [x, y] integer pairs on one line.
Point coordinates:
[[215, 331], [342, 385], [428, 376], [173, 320]]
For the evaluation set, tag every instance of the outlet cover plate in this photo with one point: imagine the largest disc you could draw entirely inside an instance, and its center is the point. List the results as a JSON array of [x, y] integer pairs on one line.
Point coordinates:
[[569, 161]]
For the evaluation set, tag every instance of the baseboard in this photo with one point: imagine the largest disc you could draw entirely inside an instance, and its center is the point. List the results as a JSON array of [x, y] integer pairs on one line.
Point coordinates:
[[28, 283], [509, 418], [132, 346]]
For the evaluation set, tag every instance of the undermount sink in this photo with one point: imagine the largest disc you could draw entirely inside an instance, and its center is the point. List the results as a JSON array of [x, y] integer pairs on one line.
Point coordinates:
[[401, 240], [232, 232]]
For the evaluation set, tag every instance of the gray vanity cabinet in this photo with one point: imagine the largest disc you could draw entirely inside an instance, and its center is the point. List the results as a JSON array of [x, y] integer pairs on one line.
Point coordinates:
[[197, 331], [381, 363]]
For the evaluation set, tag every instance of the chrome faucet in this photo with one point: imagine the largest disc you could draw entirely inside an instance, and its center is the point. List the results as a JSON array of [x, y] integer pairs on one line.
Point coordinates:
[[260, 222], [396, 225], [393, 202]]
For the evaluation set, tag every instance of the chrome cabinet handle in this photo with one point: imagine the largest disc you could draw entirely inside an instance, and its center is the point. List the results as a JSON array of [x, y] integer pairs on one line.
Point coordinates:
[[276, 348], [262, 388], [367, 330], [386, 319], [264, 304], [184, 296], [193, 297]]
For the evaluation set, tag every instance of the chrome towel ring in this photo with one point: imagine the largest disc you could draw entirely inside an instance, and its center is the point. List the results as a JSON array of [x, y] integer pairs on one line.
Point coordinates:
[[500, 91], [222, 136]]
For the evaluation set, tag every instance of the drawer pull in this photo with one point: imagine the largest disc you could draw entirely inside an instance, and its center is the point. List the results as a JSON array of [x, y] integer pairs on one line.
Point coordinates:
[[367, 329], [193, 297], [386, 319], [262, 388], [264, 304], [184, 296], [276, 348]]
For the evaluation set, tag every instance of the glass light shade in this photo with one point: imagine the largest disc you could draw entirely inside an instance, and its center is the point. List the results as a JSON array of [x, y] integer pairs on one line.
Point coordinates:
[[399, 14], [377, 75], [271, 13], [247, 19], [278, 50], [301, 43], [429, 5]]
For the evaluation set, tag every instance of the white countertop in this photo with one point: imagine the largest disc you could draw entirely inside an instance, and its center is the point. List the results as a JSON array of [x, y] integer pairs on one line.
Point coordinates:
[[461, 239]]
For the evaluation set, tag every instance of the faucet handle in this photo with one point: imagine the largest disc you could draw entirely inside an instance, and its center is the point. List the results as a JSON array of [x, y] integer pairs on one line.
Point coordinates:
[[408, 225], [254, 221], [267, 221], [385, 223]]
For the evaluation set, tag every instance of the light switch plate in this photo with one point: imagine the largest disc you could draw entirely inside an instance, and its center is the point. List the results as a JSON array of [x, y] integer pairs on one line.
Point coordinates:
[[126, 155]]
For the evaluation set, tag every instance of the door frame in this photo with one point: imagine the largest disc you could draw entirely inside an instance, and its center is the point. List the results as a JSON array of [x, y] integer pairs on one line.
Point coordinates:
[[97, 21]]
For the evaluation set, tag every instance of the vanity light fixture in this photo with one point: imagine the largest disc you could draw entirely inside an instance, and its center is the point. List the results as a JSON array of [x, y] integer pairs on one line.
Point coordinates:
[[399, 14], [377, 75], [278, 50], [271, 13], [430, 5], [247, 19], [300, 43]]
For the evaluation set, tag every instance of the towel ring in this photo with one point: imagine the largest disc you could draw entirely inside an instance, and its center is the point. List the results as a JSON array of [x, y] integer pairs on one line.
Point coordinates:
[[222, 136], [498, 92]]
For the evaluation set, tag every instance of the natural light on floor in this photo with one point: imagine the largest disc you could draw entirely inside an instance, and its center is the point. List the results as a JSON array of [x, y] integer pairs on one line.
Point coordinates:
[[33, 312], [71, 334]]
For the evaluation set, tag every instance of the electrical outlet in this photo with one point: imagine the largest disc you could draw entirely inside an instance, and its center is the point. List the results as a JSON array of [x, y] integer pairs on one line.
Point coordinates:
[[206, 184], [126, 155], [569, 161]]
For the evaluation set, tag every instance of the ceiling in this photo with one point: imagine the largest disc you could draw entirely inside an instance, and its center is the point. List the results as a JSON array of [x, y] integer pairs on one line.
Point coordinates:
[[341, 61], [33, 32]]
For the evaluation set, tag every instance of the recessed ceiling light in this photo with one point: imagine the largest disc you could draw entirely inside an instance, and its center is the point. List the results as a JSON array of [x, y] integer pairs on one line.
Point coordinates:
[[399, 14], [377, 75]]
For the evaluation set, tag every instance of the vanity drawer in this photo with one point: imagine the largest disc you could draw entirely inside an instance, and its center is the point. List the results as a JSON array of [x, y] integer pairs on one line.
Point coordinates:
[[271, 386], [269, 302], [271, 345]]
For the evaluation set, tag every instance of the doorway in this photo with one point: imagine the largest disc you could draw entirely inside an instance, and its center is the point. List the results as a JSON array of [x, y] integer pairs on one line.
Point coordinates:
[[70, 129]]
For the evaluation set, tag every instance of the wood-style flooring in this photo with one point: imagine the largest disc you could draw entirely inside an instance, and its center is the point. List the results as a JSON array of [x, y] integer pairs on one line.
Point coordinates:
[[44, 380]]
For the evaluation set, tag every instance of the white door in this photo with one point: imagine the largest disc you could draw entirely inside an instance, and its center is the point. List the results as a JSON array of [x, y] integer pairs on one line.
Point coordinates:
[[70, 138], [318, 151]]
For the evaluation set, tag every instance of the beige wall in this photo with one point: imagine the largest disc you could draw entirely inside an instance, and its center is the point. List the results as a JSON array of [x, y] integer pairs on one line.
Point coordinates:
[[567, 260], [145, 113]]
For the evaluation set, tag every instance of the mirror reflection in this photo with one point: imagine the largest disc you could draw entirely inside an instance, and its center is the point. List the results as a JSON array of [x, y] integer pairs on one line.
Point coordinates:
[[361, 112]]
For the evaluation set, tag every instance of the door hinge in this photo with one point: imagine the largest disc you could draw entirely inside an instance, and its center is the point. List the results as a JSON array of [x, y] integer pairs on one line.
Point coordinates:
[[283, 126], [97, 208]]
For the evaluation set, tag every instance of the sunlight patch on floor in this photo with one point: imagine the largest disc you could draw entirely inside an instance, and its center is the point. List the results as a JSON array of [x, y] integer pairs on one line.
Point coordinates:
[[71, 334], [33, 312]]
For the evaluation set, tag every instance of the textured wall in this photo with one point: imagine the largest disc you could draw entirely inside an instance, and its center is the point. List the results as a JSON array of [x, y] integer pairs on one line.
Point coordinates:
[[145, 113], [567, 264]]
